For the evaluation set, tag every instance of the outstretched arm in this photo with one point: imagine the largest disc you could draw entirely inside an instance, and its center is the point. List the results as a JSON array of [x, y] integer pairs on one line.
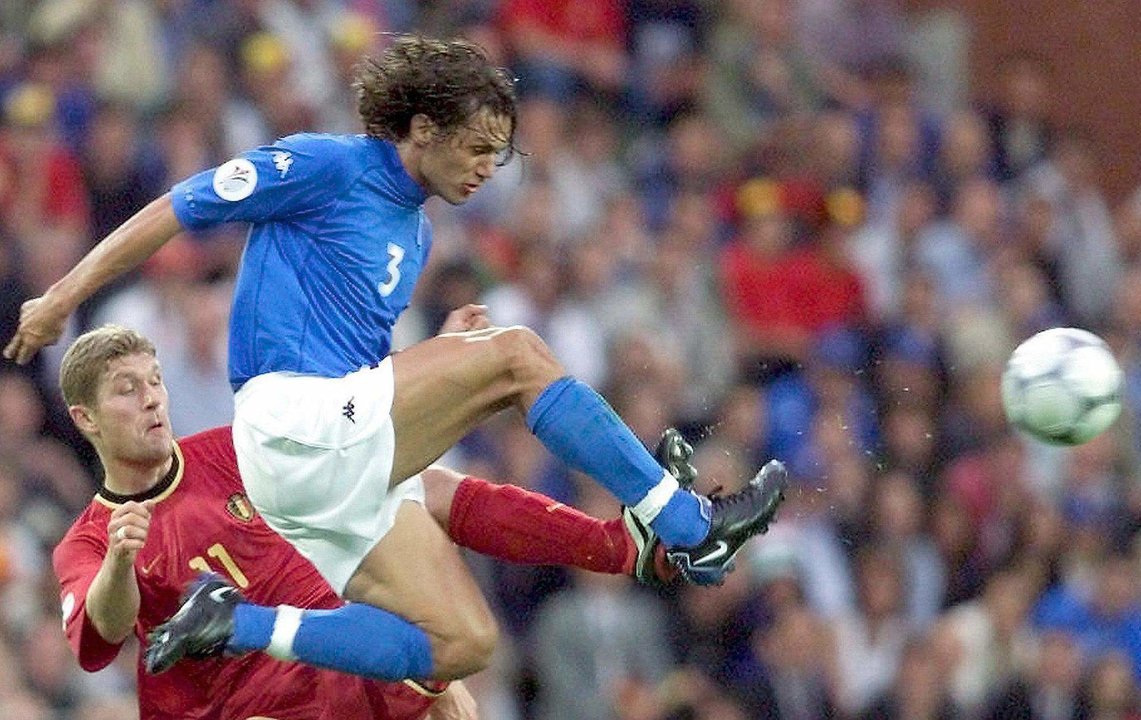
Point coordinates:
[[42, 319]]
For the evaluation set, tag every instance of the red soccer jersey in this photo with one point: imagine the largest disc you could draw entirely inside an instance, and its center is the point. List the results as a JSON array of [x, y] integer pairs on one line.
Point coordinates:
[[203, 521]]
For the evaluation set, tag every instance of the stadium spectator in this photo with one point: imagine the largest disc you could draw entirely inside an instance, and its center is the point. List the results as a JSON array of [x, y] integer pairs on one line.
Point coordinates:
[[757, 293], [1112, 689], [1081, 236], [897, 522], [958, 254], [1019, 113], [42, 197], [563, 47], [760, 71], [589, 638], [920, 689], [869, 643], [988, 639], [1049, 687], [883, 250], [792, 679]]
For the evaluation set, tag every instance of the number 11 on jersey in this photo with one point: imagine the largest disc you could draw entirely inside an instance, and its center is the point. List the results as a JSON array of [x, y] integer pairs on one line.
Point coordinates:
[[219, 552]]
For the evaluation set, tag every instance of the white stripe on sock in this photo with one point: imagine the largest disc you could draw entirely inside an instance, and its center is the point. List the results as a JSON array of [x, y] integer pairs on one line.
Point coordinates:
[[648, 507], [285, 627]]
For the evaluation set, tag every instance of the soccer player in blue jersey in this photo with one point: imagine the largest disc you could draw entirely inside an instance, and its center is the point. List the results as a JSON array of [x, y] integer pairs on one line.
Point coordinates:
[[331, 427]]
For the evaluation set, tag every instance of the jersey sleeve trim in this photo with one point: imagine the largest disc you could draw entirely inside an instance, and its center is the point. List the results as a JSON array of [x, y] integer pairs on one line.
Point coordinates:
[[93, 651], [76, 561], [429, 688]]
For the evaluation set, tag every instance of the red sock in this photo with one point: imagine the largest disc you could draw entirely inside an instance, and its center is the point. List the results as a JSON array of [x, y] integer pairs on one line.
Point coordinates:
[[510, 523]]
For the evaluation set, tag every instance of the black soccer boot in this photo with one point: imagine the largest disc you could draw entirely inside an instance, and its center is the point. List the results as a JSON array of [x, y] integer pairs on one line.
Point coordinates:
[[733, 519], [199, 629]]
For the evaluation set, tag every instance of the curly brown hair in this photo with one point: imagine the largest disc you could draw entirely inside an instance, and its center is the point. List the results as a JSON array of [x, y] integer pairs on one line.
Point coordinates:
[[449, 81]]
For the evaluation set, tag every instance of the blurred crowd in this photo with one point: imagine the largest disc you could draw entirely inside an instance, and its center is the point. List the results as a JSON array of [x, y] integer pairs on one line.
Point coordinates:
[[792, 228]]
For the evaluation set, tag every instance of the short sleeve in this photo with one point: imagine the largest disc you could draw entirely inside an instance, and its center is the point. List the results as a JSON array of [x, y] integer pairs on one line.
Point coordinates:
[[76, 560], [296, 176]]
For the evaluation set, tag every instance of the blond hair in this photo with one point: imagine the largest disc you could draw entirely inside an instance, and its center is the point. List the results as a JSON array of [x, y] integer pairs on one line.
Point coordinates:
[[87, 358]]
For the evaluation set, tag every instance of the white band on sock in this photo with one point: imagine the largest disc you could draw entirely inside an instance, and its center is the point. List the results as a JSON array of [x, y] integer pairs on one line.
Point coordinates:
[[285, 627], [648, 507]]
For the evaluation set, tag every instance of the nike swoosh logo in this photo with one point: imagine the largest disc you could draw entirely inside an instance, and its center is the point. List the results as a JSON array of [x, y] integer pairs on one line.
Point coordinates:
[[146, 569], [555, 506], [718, 552], [219, 595]]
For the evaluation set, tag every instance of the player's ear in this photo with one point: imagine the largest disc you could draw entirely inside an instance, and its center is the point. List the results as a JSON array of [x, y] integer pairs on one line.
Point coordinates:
[[83, 418], [422, 130]]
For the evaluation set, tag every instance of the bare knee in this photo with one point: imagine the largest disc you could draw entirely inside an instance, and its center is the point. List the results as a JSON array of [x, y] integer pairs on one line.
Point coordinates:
[[527, 359], [465, 646], [461, 630]]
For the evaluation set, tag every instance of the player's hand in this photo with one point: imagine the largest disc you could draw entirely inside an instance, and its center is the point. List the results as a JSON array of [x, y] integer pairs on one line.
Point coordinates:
[[127, 530], [41, 324], [455, 704], [468, 317]]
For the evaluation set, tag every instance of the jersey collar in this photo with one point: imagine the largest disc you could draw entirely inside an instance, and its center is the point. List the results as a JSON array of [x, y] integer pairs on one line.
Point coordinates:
[[161, 490], [407, 190]]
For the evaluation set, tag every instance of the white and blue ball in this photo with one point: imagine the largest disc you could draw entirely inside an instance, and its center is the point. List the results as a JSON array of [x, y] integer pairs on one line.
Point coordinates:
[[1062, 386]]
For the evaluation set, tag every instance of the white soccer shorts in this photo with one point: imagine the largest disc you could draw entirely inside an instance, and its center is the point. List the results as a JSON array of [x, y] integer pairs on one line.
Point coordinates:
[[316, 455]]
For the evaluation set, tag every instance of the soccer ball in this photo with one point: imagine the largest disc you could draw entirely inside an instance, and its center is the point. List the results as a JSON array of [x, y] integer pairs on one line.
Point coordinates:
[[1062, 386]]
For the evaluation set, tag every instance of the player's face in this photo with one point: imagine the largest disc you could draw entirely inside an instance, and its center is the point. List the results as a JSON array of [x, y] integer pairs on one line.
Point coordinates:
[[130, 413], [455, 166]]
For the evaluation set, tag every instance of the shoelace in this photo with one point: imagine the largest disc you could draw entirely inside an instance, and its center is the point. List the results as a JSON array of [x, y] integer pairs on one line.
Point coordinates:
[[735, 498]]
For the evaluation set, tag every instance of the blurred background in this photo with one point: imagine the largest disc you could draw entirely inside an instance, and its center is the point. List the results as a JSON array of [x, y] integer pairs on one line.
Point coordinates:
[[808, 229]]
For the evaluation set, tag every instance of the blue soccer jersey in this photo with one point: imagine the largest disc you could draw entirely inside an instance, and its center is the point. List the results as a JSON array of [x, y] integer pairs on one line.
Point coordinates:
[[338, 238]]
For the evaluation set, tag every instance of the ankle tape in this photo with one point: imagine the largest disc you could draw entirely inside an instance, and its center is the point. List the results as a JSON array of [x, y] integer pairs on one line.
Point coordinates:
[[649, 506]]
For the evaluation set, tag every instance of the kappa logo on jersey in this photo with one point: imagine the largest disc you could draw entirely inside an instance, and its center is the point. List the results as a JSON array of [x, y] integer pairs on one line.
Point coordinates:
[[239, 506], [282, 160], [235, 180]]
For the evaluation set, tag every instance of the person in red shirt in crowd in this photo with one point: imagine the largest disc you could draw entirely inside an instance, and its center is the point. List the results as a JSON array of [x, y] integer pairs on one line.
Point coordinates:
[[780, 293], [41, 182], [168, 510], [560, 45], [830, 292]]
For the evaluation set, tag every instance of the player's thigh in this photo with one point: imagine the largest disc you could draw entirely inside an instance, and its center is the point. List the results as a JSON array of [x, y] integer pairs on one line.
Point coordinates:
[[445, 386], [415, 571]]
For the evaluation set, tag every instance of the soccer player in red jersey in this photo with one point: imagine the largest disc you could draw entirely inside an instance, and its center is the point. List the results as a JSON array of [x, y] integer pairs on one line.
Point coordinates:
[[168, 511], [197, 518]]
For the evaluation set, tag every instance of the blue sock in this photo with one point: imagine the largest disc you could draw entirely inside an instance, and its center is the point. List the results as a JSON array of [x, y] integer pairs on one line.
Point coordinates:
[[576, 424], [253, 627], [356, 638]]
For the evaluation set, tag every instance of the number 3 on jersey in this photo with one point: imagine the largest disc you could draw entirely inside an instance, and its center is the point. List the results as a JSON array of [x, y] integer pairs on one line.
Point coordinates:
[[395, 255]]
